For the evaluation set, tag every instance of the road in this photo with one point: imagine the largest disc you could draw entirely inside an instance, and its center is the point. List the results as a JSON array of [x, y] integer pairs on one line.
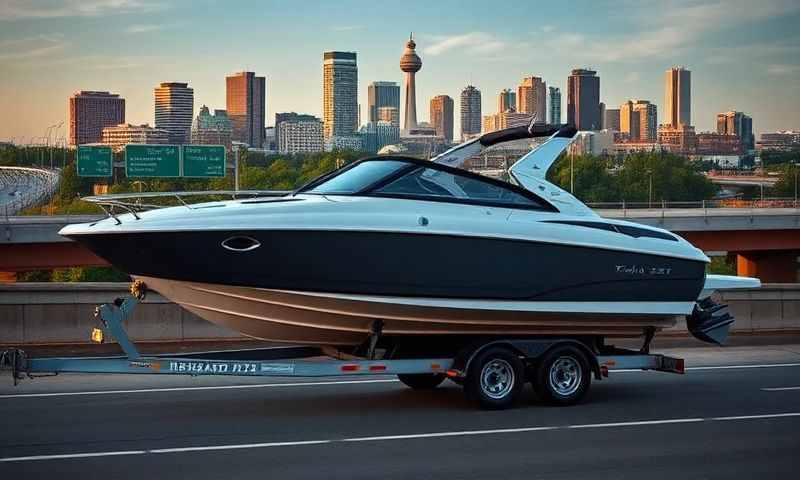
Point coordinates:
[[735, 414]]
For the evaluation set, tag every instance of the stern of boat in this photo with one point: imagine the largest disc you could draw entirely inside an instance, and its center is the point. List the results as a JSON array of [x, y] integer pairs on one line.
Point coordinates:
[[711, 321]]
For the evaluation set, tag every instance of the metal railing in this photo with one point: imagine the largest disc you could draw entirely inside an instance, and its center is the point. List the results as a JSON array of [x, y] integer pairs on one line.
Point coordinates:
[[708, 207], [25, 187]]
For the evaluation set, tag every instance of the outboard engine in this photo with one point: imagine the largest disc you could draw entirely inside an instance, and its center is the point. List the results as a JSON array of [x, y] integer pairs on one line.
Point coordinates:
[[710, 321]]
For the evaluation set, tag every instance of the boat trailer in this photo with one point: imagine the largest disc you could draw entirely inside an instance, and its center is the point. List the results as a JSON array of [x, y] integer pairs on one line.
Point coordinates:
[[491, 371]]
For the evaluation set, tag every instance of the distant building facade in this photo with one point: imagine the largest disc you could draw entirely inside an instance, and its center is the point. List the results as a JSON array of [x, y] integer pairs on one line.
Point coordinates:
[[629, 121], [677, 97], [245, 98], [611, 119], [681, 139], [389, 114], [299, 134], [592, 143], [280, 118], [208, 129], [499, 121], [710, 143], [507, 101], [339, 94], [377, 135], [583, 99], [90, 112], [784, 141], [442, 116], [648, 120], [555, 106], [382, 95], [174, 110], [739, 124], [470, 112], [120, 135], [532, 98], [354, 142]]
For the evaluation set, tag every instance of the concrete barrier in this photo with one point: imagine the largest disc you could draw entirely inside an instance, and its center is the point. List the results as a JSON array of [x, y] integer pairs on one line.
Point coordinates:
[[53, 313], [59, 313]]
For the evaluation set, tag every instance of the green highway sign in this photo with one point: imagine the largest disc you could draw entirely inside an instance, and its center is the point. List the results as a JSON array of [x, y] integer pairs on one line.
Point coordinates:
[[152, 160], [95, 161], [203, 161]]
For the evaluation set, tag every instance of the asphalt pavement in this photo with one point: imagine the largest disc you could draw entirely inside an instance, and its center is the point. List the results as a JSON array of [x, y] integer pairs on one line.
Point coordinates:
[[735, 414]]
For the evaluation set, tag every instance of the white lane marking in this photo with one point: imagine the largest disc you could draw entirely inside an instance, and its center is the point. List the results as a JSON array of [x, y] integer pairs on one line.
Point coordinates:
[[236, 447], [382, 438], [210, 387], [73, 455], [633, 424], [337, 382], [756, 417], [717, 367], [780, 389]]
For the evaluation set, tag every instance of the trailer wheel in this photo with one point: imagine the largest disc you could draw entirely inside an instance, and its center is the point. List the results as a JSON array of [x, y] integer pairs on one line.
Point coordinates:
[[495, 379], [563, 376], [421, 381]]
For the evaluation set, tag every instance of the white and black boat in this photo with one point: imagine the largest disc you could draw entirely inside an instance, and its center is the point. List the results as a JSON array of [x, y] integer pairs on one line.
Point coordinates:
[[417, 248]]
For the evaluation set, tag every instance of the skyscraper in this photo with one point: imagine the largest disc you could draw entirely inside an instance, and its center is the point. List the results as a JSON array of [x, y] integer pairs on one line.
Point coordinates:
[[638, 119], [507, 101], [555, 106], [90, 112], [648, 120], [410, 63], [389, 114], [442, 116], [583, 99], [245, 99], [174, 108], [470, 112], [678, 97], [340, 94], [629, 121], [382, 94], [739, 124], [532, 98]]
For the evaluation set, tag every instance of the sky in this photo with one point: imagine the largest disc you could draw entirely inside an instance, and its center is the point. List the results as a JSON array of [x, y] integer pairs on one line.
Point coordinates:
[[744, 55]]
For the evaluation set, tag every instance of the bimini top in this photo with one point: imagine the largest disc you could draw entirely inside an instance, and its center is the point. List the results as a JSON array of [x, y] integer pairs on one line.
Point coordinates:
[[415, 179]]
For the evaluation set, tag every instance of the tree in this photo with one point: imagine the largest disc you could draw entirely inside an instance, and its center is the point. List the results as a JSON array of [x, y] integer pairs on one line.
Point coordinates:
[[787, 185]]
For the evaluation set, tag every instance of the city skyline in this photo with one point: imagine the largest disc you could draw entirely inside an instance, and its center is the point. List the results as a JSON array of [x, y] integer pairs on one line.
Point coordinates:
[[757, 73]]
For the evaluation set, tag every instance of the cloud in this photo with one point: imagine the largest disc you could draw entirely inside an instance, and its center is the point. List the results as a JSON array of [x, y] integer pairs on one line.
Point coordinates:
[[783, 69], [667, 29], [35, 9], [632, 77], [31, 47], [348, 28], [548, 28], [472, 42], [134, 29]]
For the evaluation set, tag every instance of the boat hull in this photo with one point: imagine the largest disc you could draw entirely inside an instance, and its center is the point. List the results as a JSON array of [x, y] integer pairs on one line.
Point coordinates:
[[341, 320], [419, 265]]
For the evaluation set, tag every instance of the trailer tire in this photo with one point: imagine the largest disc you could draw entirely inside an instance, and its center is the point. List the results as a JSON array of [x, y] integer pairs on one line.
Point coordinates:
[[421, 381], [495, 379], [563, 376]]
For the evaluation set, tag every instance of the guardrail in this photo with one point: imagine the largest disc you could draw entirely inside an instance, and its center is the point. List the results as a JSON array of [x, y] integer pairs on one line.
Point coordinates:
[[708, 207]]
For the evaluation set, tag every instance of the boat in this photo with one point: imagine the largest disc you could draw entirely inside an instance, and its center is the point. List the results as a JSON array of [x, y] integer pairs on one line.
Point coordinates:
[[406, 249]]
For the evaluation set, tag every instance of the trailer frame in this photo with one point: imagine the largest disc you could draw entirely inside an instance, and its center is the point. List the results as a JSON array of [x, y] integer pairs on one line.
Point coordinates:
[[310, 361]]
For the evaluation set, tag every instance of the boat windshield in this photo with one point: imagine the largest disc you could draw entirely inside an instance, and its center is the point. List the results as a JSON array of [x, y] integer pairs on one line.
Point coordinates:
[[359, 177], [419, 180]]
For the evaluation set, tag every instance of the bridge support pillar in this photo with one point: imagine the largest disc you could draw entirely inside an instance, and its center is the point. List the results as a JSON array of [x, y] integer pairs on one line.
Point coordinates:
[[769, 266]]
